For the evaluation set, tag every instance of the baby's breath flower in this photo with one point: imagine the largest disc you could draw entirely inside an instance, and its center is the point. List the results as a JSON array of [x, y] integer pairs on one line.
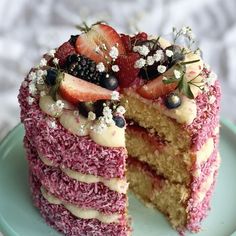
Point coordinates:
[[140, 63], [30, 100], [150, 60], [32, 76], [144, 50], [42, 93], [55, 61], [114, 53], [169, 53], [100, 67], [115, 95], [91, 116], [32, 88], [60, 104], [158, 55], [177, 74], [161, 69], [115, 68], [52, 52], [43, 62]]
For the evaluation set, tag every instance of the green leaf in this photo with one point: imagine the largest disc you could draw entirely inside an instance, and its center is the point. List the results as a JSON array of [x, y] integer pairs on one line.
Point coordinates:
[[189, 62], [184, 87], [169, 81]]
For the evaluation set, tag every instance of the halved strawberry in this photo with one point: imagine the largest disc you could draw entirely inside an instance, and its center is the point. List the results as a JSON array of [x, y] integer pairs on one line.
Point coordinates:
[[63, 52], [127, 72], [75, 90], [156, 88], [96, 36]]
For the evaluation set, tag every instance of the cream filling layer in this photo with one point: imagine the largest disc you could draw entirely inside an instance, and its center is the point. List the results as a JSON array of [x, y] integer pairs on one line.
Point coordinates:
[[79, 212], [202, 155], [109, 136], [115, 184], [206, 185]]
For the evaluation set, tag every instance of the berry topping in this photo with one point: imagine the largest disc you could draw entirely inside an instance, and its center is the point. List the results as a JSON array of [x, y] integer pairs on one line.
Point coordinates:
[[77, 90], [126, 39], [97, 41], [51, 77], [73, 39], [172, 101], [154, 56], [83, 68], [109, 82], [119, 121], [129, 42], [156, 88], [63, 52], [127, 73]]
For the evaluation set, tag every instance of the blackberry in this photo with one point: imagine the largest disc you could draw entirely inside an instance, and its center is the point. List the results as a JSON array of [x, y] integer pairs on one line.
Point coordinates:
[[84, 68], [73, 39]]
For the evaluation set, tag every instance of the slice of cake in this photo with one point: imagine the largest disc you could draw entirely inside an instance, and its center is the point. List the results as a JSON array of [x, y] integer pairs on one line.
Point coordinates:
[[80, 157]]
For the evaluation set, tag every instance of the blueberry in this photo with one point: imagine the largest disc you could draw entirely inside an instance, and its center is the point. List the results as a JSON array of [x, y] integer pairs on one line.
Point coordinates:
[[109, 82], [119, 121], [172, 101], [51, 77]]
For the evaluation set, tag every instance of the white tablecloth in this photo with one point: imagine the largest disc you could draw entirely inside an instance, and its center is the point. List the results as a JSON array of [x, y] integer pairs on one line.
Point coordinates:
[[29, 28]]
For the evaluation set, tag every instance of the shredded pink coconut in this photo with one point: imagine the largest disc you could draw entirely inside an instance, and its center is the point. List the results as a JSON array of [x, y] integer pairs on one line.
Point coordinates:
[[66, 149], [96, 196], [62, 220], [207, 118]]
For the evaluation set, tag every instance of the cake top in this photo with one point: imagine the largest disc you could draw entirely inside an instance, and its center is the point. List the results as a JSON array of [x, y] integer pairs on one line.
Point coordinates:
[[88, 73]]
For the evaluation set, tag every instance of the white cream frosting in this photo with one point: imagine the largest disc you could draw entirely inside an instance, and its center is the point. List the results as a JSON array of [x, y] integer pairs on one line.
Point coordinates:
[[115, 184], [75, 124], [48, 105], [204, 153], [110, 136], [79, 212]]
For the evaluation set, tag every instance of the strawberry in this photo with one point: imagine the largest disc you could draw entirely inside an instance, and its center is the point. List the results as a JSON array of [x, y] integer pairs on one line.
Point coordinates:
[[139, 37], [127, 73], [156, 88], [75, 90], [96, 36], [63, 52]]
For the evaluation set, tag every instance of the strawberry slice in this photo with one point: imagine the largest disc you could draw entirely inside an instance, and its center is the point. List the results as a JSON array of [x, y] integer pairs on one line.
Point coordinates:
[[98, 35], [127, 72], [75, 90], [156, 88], [63, 52]]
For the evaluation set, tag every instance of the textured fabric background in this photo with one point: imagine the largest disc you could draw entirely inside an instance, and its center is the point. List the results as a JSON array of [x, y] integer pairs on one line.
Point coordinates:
[[29, 28]]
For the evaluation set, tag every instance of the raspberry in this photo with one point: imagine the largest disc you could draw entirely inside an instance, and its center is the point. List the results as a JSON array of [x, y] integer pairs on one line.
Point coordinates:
[[126, 42], [63, 52], [127, 73]]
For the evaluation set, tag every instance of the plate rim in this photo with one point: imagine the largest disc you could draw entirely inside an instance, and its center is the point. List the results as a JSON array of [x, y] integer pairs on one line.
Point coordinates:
[[226, 123]]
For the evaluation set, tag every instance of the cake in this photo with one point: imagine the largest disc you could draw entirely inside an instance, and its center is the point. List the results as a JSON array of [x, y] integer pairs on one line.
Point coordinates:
[[105, 112]]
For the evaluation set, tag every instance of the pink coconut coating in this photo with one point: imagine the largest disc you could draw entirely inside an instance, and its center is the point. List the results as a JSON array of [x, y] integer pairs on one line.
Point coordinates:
[[68, 150], [197, 213], [207, 118], [62, 220], [96, 196]]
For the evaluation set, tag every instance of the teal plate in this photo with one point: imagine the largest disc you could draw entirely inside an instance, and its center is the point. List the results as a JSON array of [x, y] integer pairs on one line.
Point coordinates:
[[18, 217]]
